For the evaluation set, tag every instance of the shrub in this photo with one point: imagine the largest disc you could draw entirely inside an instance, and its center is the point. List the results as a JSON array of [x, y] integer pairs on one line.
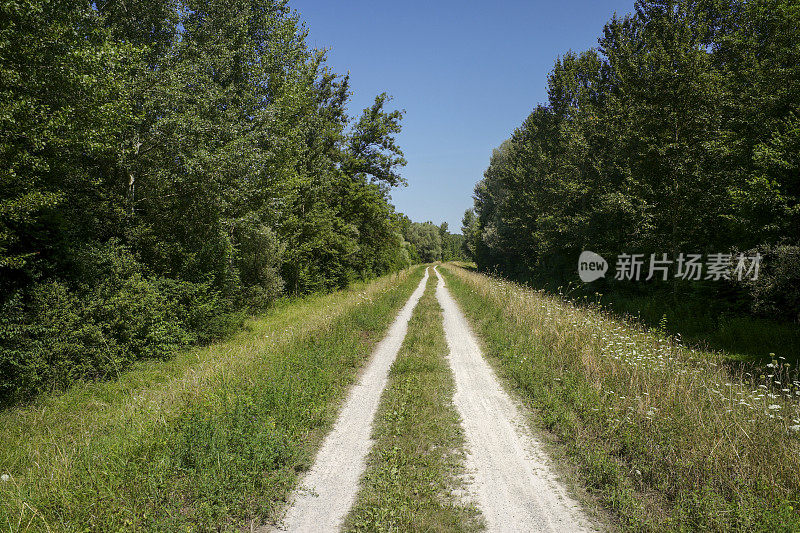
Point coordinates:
[[258, 259], [776, 292], [53, 334]]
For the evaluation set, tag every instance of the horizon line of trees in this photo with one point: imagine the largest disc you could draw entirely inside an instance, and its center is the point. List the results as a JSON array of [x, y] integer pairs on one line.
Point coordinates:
[[168, 167], [427, 243], [679, 132]]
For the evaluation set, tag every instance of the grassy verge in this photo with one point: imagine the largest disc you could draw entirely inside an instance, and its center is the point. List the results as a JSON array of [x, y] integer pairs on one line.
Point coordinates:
[[212, 439], [412, 479], [663, 436], [703, 318]]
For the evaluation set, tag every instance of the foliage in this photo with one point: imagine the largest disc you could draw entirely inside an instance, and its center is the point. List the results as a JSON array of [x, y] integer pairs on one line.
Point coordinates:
[[429, 243], [678, 133], [206, 144], [63, 334], [776, 292]]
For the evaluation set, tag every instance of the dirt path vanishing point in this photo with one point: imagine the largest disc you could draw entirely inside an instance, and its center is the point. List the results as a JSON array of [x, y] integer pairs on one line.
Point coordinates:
[[514, 488], [329, 489]]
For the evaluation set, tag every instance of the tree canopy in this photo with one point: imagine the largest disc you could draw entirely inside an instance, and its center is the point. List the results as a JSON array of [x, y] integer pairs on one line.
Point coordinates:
[[196, 152], [678, 133], [428, 242]]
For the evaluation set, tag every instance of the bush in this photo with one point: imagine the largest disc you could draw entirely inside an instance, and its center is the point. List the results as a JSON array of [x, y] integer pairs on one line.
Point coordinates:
[[48, 342], [776, 292], [61, 336], [52, 334], [200, 309], [258, 260]]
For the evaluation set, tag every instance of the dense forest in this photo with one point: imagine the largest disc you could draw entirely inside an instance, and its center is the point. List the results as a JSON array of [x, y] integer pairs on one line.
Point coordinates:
[[168, 167], [678, 133]]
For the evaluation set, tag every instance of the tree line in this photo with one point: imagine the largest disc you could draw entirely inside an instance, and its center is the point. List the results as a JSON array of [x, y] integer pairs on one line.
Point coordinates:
[[679, 132], [426, 242], [168, 167]]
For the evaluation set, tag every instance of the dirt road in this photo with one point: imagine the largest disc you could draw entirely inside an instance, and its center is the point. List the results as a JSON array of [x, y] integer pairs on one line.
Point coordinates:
[[509, 476], [328, 490], [511, 481]]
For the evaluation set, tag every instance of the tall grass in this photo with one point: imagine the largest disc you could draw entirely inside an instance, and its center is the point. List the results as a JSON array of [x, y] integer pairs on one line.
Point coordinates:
[[665, 437], [709, 316], [210, 440]]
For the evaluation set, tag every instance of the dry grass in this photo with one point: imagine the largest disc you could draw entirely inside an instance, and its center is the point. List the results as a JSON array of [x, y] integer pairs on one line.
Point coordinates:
[[666, 437]]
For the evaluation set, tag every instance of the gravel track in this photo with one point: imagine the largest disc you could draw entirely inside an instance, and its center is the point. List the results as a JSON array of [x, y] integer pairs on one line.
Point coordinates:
[[510, 479], [508, 473], [329, 489]]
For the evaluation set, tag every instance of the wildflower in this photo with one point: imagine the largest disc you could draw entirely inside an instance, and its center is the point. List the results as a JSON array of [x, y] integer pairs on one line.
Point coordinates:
[[774, 407], [795, 427], [5, 477]]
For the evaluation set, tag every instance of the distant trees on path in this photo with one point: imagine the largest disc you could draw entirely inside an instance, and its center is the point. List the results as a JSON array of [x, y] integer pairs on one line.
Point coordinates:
[[427, 242]]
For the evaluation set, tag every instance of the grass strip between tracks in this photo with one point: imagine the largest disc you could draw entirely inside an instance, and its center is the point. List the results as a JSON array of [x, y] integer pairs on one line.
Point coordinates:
[[413, 480]]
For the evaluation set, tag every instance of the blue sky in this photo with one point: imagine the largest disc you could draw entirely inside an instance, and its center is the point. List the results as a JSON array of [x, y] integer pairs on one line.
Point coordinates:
[[466, 72]]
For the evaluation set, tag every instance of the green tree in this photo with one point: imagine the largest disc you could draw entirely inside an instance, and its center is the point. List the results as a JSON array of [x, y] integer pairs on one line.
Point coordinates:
[[426, 239]]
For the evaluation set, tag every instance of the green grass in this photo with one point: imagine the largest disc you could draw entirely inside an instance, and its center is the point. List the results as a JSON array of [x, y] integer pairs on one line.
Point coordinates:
[[412, 479], [663, 437], [211, 440]]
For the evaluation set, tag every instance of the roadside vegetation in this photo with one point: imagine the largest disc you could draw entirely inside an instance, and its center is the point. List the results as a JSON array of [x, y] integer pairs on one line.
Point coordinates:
[[413, 480], [169, 168], [665, 437], [211, 439], [710, 325], [677, 134]]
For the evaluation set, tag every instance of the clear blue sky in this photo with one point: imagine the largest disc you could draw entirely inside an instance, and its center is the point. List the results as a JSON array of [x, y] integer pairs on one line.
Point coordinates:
[[466, 72]]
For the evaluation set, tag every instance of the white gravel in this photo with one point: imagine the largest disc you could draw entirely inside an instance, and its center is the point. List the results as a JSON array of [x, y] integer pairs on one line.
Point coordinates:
[[329, 489], [510, 479]]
